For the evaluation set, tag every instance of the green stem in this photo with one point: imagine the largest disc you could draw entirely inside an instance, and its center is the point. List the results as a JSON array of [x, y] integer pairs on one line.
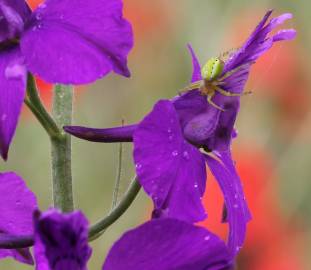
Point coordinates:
[[115, 194], [22, 241], [34, 103], [99, 227], [61, 149]]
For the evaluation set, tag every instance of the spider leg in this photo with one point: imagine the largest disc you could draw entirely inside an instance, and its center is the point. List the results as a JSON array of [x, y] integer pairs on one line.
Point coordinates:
[[209, 100], [229, 94], [228, 74], [190, 87]]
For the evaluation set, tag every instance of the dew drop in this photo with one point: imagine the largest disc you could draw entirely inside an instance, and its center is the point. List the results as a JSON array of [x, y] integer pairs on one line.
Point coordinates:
[[206, 238], [38, 16], [169, 130], [15, 71], [185, 154], [18, 202], [235, 196], [175, 153], [235, 206], [138, 166], [196, 185], [170, 138]]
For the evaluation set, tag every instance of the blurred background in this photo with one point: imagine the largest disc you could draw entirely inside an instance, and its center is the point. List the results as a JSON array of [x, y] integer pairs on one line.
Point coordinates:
[[272, 151]]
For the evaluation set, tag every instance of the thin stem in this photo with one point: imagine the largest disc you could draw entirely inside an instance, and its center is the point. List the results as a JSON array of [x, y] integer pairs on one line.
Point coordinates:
[[34, 103], [100, 226], [15, 242], [116, 188], [61, 150], [23, 241]]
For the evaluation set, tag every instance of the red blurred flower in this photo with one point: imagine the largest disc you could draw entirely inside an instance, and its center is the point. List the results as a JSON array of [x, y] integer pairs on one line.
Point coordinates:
[[272, 242]]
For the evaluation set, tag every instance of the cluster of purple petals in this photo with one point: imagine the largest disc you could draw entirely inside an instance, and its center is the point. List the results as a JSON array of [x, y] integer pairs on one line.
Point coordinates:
[[68, 42], [61, 240], [175, 141], [172, 144]]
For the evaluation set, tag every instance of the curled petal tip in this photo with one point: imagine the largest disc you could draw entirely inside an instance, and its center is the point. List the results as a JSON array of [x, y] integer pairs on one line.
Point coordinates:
[[106, 135]]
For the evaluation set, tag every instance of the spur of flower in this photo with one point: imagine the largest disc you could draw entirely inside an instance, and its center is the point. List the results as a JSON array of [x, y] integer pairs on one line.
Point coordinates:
[[61, 239], [69, 42], [175, 141]]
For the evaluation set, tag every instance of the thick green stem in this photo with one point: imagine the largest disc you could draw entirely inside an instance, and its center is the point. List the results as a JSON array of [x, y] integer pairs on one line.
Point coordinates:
[[61, 149]]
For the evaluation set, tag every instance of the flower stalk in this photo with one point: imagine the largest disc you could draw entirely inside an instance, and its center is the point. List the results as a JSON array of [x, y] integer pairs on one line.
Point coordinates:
[[34, 103], [61, 149]]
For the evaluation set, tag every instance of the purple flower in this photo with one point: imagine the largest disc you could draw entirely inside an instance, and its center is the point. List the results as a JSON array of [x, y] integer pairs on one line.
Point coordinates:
[[173, 143], [16, 208], [69, 42], [167, 244], [61, 241]]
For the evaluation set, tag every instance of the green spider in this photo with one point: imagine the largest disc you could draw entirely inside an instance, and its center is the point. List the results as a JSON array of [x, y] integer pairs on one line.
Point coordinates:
[[213, 79]]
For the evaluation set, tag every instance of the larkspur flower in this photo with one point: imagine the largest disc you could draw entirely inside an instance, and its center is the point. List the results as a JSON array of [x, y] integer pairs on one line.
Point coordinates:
[[167, 142], [168, 244], [61, 239], [69, 42], [16, 208]]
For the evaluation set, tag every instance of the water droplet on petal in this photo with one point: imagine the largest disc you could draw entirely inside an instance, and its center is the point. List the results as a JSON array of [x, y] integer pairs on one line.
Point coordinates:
[[169, 130], [15, 71], [138, 166], [185, 154], [206, 238], [196, 185], [235, 206], [170, 138], [235, 196], [175, 153]]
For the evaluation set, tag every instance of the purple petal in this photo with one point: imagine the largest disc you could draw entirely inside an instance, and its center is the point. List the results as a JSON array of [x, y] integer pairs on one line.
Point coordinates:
[[285, 34], [13, 15], [189, 105], [74, 41], [237, 210], [171, 171], [196, 73], [168, 244], [61, 241], [19, 6], [255, 46], [12, 92], [16, 208], [222, 136], [202, 126], [239, 56], [107, 135], [192, 102]]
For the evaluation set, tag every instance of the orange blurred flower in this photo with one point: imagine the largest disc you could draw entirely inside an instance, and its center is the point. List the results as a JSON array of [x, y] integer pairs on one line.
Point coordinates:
[[34, 3], [272, 243]]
